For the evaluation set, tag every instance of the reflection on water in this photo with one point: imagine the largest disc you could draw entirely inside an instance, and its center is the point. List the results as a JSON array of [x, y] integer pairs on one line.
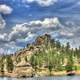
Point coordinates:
[[45, 78]]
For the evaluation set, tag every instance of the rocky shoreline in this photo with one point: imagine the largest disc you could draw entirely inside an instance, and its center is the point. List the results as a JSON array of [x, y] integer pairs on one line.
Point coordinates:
[[42, 73]]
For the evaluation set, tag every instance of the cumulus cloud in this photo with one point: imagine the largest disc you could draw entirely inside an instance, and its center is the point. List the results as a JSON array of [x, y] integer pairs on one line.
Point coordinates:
[[10, 47], [19, 28], [22, 30], [29, 38], [27, 32], [1, 50], [3, 36], [66, 33], [2, 22], [43, 2], [5, 9], [47, 22], [18, 31]]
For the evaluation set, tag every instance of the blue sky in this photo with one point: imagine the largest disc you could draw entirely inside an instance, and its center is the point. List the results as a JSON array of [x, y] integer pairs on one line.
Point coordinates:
[[21, 21]]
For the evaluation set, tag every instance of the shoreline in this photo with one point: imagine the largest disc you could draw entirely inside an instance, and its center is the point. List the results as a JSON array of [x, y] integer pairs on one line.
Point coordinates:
[[41, 74]]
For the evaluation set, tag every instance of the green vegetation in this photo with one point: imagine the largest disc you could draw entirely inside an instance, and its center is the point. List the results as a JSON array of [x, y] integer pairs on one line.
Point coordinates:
[[10, 65], [49, 54], [26, 58], [34, 62], [18, 59], [2, 65], [55, 56]]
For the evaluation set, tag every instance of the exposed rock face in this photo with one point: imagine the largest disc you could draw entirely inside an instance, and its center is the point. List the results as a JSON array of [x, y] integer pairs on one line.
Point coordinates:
[[24, 72], [23, 69], [42, 72]]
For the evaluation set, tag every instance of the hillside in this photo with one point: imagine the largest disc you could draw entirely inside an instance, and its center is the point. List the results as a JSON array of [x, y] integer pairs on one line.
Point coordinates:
[[45, 57]]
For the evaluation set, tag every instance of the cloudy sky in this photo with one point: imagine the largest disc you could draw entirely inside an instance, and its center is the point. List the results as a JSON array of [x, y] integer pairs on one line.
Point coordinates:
[[21, 21]]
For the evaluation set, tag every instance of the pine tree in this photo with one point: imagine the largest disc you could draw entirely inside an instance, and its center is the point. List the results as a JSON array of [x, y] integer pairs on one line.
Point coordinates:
[[9, 64], [2, 65], [34, 61]]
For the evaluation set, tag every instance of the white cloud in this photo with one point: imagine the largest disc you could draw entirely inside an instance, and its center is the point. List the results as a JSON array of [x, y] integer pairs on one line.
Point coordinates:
[[5, 9], [66, 33], [3, 37], [27, 33], [10, 43], [21, 30], [43, 2], [1, 50], [11, 47], [30, 36], [18, 31], [29, 0], [47, 22], [2, 22]]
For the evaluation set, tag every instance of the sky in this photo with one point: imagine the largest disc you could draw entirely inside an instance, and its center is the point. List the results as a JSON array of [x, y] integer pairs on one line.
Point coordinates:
[[21, 21]]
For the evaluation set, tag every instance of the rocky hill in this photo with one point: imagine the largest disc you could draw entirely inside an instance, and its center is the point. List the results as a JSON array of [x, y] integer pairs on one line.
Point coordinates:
[[43, 58]]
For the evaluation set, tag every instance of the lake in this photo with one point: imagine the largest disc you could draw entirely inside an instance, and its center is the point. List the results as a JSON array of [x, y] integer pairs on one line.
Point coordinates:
[[45, 78]]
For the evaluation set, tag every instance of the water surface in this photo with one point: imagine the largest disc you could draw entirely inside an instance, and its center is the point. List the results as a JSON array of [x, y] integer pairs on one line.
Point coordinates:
[[45, 78]]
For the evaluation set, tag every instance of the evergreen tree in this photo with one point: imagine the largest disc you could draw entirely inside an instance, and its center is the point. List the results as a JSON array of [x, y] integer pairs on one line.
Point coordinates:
[[58, 44], [2, 64], [26, 59], [67, 46], [9, 64], [34, 61]]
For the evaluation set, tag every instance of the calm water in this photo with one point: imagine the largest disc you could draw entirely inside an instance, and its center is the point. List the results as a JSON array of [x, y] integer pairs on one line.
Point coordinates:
[[46, 78]]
